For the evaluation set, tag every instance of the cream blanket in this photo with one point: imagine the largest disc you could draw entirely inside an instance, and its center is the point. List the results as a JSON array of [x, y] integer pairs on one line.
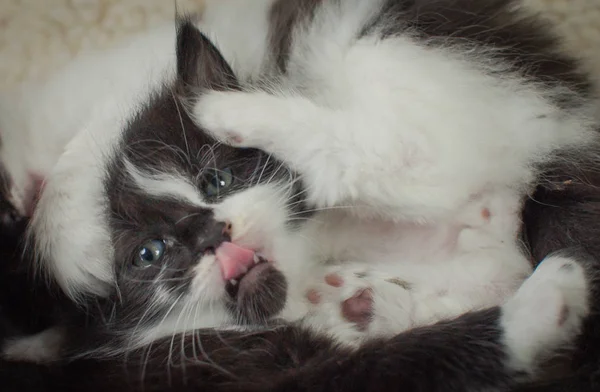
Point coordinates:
[[37, 36]]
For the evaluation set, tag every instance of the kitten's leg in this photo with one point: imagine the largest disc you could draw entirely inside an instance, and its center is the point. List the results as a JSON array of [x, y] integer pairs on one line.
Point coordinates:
[[345, 156], [563, 285], [490, 350], [357, 304]]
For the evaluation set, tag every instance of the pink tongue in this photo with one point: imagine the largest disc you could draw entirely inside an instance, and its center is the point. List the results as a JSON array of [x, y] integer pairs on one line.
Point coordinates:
[[234, 260]]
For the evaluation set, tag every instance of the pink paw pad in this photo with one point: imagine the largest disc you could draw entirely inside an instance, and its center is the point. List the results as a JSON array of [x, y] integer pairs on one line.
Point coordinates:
[[358, 309], [334, 280], [486, 214], [232, 138], [313, 296]]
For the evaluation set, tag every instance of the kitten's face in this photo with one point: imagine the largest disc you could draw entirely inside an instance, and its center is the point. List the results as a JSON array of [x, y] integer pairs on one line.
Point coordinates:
[[193, 223], [176, 231]]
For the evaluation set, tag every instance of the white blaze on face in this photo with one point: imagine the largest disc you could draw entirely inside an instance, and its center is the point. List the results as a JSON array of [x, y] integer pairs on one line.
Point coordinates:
[[165, 184]]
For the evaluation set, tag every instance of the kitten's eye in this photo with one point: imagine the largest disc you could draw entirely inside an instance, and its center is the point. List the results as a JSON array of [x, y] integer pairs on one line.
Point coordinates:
[[214, 181], [150, 253]]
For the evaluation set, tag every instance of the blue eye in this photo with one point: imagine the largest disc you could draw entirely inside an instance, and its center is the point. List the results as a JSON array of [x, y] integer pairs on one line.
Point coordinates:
[[215, 181], [150, 253]]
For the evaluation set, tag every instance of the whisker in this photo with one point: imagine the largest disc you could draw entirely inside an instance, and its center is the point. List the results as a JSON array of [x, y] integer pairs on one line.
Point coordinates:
[[154, 280], [264, 168], [188, 216], [324, 209], [187, 146], [167, 313]]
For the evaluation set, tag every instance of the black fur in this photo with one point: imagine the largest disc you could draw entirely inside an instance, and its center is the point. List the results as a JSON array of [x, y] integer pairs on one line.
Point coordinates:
[[461, 355], [26, 307], [565, 213]]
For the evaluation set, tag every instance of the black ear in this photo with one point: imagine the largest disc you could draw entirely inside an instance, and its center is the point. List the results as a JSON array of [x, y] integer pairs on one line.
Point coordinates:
[[200, 65]]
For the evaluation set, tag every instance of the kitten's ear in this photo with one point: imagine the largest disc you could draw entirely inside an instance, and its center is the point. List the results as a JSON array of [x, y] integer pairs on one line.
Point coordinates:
[[200, 65]]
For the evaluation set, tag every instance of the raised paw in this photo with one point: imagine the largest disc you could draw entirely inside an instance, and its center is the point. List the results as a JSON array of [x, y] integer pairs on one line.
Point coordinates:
[[222, 115], [239, 119], [547, 312]]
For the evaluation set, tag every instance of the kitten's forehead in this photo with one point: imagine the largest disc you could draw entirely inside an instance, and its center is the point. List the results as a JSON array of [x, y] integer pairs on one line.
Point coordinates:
[[159, 158], [164, 185], [162, 136], [163, 155]]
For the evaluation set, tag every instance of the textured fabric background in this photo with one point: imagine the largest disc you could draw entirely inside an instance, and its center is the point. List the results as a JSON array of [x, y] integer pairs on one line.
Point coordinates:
[[37, 36]]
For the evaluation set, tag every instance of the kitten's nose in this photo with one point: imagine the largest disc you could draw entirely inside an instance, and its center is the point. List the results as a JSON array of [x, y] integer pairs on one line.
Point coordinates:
[[213, 235]]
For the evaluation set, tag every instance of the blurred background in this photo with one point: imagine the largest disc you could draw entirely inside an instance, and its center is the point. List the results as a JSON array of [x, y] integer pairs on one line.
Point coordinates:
[[37, 36]]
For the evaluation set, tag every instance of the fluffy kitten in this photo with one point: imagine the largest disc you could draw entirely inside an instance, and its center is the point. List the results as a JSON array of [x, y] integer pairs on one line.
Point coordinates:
[[355, 211]]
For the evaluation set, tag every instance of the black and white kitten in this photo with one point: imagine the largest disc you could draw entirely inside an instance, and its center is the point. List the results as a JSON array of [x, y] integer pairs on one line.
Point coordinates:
[[393, 144]]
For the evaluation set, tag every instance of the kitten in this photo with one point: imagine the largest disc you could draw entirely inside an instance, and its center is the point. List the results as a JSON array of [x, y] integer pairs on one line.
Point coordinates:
[[161, 230]]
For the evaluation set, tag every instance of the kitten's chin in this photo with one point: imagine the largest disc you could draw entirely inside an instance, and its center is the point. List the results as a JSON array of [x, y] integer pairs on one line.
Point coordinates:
[[260, 295]]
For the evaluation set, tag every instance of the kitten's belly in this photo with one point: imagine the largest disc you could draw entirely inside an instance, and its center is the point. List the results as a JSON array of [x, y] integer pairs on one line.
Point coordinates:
[[387, 242], [488, 219], [473, 255]]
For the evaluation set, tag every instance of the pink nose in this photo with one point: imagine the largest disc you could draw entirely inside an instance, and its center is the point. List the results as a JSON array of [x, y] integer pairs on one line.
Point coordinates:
[[234, 260]]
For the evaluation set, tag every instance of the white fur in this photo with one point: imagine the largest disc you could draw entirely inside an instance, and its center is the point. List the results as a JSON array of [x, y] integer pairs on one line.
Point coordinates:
[[38, 121], [164, 184], [547, 311], [435, 127], [379, 129]]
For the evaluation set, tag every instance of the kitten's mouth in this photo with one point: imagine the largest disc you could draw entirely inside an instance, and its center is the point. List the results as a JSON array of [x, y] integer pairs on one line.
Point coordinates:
[[251, 271], [256, 289]]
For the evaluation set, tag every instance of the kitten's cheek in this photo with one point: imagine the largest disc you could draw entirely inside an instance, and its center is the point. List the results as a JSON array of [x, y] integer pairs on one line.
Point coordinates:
[[207, 284]]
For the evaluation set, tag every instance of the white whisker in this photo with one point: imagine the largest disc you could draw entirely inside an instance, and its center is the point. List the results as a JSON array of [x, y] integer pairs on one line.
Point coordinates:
[[187, 146]]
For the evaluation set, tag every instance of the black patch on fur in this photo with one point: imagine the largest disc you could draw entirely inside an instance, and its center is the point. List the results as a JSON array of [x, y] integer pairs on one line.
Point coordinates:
[[27, 305], [463, 355], [563, 216], [199, 63], [525, 43]]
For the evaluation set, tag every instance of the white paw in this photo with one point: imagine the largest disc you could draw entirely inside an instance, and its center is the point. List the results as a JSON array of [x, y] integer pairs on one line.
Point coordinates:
[[40, 348], [354, 303], [547, 312], [235, 118]]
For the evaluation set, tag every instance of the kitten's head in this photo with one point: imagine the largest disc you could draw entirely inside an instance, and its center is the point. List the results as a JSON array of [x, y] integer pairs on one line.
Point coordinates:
[[167, 227]]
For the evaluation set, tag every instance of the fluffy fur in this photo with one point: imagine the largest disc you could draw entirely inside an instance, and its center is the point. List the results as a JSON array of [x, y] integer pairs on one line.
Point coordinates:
[[389, 147]]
